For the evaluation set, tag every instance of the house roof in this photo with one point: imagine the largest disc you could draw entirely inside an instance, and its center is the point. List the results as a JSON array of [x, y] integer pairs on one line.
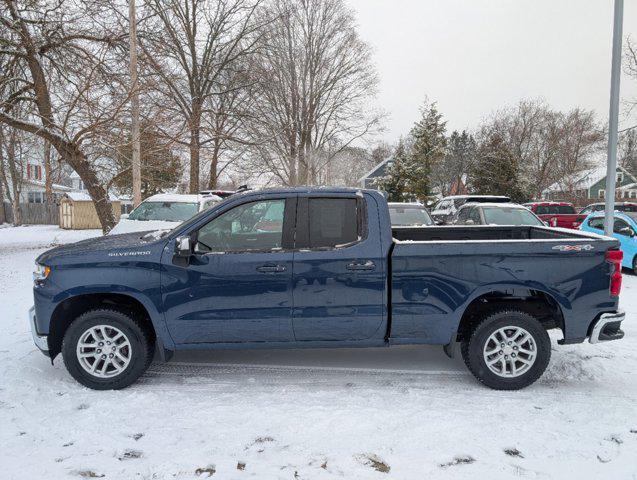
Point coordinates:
[[584, 180], [55, 186], [375, 169]]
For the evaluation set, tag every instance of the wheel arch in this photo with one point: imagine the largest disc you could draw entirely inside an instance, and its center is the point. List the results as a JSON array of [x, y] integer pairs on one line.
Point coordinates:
[[73, 306], [538, 302]]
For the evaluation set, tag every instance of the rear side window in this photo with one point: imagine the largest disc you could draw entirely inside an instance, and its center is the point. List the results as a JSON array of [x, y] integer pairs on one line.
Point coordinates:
[[597, 223], [332, 222]]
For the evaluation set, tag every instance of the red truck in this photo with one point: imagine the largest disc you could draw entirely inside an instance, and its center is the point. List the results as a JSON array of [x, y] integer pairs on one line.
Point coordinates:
[[557, 214]]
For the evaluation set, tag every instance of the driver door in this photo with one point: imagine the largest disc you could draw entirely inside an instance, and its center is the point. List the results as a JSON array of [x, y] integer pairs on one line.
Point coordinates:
[[237, 285]]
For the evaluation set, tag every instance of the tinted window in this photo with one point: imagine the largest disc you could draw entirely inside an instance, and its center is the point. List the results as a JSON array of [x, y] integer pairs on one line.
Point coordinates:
[[621, 227], [408, 215], [474, 215], [509, 216], [167, 211], [597, 223], [332, 222], [627, 208], [554, 210], [251, 226], [463, 215]]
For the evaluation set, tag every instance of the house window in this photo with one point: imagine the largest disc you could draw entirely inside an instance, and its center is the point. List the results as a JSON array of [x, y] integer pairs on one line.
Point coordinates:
[[632, 194], [602, 193], [620, 177], [35, 197]]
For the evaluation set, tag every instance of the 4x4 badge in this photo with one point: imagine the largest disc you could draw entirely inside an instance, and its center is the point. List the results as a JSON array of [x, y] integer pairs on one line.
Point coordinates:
[[573, 248]]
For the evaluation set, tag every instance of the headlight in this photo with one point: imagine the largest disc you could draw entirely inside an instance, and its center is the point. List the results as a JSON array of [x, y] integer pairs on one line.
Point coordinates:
[[41, 272]]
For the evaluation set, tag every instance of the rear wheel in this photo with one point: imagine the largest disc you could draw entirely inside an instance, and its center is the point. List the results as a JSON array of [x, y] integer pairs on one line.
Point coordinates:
[[106, 349], [508, 350]]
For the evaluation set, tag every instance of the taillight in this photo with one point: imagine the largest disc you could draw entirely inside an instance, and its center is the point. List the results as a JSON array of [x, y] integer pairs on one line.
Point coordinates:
[[615, 257], [553, 222]]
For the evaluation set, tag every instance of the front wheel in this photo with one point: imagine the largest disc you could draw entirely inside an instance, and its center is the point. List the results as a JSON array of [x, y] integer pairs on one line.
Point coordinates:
[[508, 350], [106, 349]]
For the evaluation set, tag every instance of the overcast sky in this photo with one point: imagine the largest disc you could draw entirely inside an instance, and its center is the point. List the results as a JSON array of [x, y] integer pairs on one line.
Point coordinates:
[[476, 56]]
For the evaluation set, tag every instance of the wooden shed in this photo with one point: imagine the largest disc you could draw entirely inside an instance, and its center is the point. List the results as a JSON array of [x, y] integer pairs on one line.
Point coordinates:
[[77, 211]]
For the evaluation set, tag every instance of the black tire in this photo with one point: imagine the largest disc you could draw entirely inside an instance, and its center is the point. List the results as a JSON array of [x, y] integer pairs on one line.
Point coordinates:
[[473, 348], [141, 348]]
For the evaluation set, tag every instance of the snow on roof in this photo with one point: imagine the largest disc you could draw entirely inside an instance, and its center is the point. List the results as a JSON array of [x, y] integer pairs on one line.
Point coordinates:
[[85, 197], [74, 175], [582, 180], [374, 169], [630, 186], [55, 186]]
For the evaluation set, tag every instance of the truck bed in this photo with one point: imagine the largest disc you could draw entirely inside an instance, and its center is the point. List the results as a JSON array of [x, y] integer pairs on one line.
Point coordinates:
[[436, 272]]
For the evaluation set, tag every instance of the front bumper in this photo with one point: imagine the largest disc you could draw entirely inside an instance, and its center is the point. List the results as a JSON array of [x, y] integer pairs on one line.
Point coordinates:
[[607, 327], [41, 341]]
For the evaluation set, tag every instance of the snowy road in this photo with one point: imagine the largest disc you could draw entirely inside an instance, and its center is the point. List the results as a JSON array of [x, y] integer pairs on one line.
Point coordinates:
[[403, 413]]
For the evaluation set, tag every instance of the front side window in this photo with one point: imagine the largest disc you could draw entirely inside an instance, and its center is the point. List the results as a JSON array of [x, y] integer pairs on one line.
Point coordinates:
[[474, 215], [164, 211], [597, 223], [463, 215], [333, 222], [255, 226]]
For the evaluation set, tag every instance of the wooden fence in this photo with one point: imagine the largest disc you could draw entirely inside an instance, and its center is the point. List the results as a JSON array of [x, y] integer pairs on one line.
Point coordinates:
[[35, 213]]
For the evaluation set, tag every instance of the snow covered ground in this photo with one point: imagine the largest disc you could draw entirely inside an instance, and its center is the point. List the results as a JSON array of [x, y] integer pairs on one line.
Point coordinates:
[[403, 413]]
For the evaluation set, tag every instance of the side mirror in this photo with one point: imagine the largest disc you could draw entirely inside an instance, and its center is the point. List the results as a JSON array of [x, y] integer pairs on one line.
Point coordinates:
[[123, 215], [183, 248]]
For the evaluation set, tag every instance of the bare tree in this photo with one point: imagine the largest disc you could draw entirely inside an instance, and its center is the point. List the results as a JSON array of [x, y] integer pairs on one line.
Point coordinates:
[[315, 85], [61, 68], [548, 146], [189, 45]]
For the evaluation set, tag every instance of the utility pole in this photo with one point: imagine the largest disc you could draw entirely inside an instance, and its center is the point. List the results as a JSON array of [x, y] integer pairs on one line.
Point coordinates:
[[136, 162], [613, 118]]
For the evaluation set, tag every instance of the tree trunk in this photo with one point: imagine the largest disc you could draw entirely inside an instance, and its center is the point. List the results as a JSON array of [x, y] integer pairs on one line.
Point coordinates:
[[48, 177], [3, 217], [195, 148], [214, 165], [16, 179]]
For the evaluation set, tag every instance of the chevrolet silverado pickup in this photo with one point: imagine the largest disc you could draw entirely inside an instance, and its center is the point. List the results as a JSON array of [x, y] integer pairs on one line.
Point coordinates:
[[322, 267]]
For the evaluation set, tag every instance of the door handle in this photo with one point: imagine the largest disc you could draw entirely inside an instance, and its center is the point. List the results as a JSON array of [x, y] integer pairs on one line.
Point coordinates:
[[271, 268], [367, 265]]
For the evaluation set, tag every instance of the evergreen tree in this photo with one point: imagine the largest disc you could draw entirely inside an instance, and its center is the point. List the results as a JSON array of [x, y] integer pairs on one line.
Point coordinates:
[[427, 152], [394, 182], [459, 156], [496, 171]]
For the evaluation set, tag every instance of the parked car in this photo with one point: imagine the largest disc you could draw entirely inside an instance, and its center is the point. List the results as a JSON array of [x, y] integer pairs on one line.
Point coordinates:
[[409, 215], [333, 274], [446, 208], [495, 214], [557, 214], [163, 211], [619, 206], [624, 230]]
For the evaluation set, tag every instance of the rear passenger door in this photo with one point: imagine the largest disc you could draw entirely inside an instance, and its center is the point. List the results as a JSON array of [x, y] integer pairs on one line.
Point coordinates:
[[339, 270]]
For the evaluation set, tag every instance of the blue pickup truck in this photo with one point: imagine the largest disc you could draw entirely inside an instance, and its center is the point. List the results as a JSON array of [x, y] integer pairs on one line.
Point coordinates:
[[319, 267]]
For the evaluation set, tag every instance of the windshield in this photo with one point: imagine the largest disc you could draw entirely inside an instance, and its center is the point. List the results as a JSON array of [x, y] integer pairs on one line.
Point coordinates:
[[409, 215], [166, 211], [509, 216], [555, 210]]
